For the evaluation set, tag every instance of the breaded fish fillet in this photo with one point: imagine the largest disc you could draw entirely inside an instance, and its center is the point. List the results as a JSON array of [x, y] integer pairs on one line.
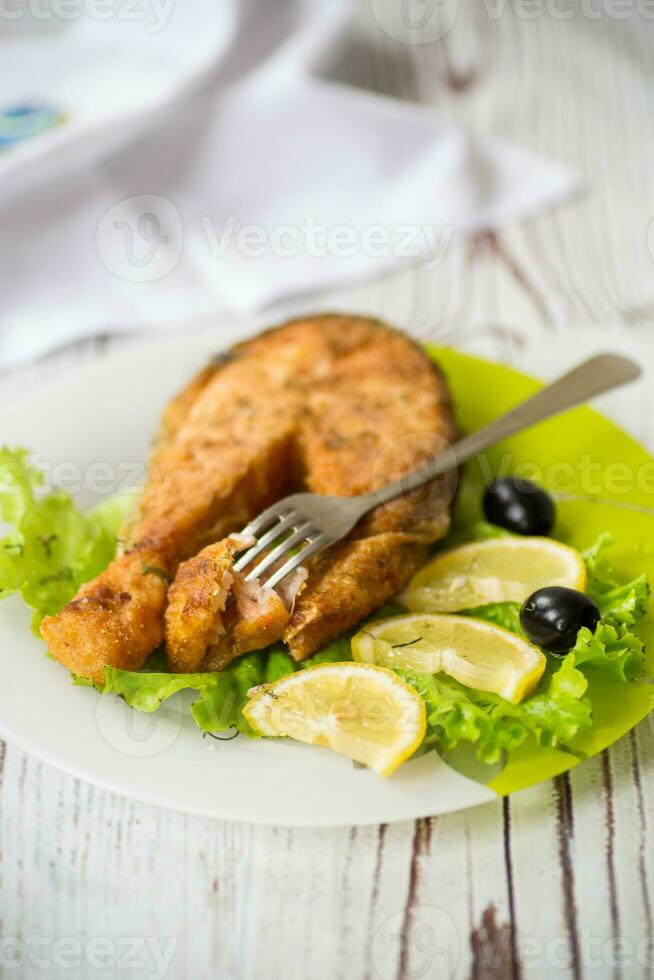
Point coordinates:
[[332, 404], [372, 413]]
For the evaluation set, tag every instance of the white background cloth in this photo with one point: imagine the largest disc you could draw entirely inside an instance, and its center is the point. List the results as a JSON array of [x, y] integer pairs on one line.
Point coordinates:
[[205, 164]]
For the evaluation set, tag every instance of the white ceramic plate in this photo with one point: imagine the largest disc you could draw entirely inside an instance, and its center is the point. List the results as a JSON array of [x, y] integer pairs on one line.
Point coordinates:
[[98, 423]]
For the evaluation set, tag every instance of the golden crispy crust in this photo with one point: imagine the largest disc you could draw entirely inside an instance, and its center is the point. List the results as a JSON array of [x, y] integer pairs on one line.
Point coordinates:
[[337, 404], [115, 619], [375, 409], [196, 602], [351, 581]]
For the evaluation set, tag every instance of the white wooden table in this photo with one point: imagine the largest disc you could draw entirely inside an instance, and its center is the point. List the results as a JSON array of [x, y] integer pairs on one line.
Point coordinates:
[[557, 881]]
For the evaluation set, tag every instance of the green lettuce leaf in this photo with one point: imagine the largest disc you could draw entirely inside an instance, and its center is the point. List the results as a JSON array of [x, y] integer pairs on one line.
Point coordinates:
[[456, 713], [554, 715], [611, 648], [51, 547], [222, 694], [475, 530], [559, 710], [505, 614], [621, 605]]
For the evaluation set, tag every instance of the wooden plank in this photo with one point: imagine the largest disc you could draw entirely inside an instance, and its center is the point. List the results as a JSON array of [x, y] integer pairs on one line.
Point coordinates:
[[540, 863]]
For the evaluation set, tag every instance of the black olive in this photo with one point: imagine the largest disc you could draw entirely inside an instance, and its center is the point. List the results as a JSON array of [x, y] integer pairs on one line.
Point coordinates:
[[519, 506], [552, 617]]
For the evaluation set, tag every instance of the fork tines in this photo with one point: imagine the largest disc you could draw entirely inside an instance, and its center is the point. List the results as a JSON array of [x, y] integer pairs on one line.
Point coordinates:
[[284, 530]]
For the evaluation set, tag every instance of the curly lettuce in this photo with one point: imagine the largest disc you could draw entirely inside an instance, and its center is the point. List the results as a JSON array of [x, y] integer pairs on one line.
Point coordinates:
[[51, 547], [222, 694], [505, 614], [555, 715]]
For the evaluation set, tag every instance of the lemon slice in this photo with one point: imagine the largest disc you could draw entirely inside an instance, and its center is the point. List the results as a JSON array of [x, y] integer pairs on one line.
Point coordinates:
[[365, 712], [498, 570], [476, 653]]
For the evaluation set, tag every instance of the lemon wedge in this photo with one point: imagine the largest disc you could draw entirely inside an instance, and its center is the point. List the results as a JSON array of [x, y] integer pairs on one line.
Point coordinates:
[[506, 569], [476, 653], [365, 712]]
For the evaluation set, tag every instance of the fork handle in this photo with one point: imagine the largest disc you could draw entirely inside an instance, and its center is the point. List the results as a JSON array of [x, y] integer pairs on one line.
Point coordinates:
[[593, 377]]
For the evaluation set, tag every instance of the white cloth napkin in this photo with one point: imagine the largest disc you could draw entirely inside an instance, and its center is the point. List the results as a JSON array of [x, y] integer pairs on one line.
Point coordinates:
[[203, 164]]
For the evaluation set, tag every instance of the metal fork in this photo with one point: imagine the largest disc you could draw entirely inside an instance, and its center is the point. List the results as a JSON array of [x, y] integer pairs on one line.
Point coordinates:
[[311, 522]]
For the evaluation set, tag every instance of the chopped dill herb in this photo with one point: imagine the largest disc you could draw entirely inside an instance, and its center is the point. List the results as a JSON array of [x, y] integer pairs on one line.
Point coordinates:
[[63, 575], [47, 542], [159, 572], [222, 358]]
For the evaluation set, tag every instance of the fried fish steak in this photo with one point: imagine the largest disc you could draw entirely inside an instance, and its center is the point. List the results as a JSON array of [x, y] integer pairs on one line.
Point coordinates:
[[373, 411], [332, 404]]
